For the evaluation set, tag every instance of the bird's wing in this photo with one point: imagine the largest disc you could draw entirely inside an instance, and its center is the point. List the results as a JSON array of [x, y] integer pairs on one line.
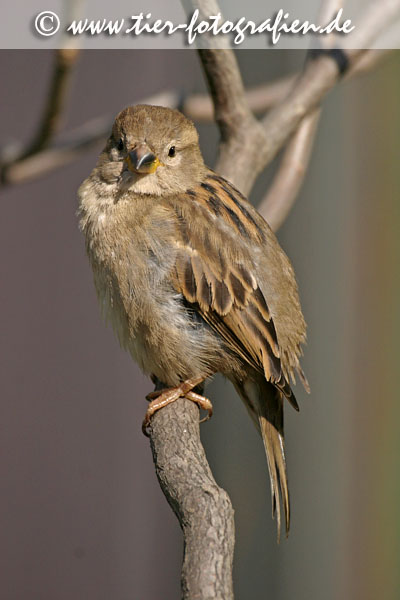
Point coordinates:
[[215, 272]]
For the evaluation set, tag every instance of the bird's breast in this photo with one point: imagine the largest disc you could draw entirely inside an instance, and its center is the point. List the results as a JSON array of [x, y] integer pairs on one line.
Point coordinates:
[[131, 256]]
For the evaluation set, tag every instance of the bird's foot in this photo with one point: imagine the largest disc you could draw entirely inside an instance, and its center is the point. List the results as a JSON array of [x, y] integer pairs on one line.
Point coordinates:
[[162, 397], [202, 402]]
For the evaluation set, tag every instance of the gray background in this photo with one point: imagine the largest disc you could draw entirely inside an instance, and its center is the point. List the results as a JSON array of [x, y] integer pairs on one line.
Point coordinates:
[[81, 512]]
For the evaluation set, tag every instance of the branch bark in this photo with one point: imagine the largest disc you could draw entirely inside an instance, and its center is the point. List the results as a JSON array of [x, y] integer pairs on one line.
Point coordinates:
[[203, 509]]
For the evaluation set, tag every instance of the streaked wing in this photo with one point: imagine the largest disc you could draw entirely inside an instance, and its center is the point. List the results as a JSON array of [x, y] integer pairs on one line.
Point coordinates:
[[216, 273]]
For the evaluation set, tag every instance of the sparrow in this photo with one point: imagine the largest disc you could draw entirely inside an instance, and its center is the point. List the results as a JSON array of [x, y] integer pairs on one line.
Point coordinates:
[[191, 277]]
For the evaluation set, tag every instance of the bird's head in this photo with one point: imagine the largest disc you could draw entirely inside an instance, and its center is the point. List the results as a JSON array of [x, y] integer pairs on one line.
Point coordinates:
[[152, 150]]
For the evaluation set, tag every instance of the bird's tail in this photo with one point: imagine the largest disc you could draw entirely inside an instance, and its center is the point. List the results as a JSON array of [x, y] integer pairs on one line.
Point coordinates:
[[265, 405]]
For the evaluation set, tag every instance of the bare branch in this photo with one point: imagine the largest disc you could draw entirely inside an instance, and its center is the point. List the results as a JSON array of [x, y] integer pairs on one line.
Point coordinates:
[[74, 144], [319, 76], [240, 132], [65, 60], [376, 19], [366, 62], [206, 8], [258, 147], [226, 86], [283, 192], [259, 99], [198, 107], [70, 146], [328, 9], [289, 178], [204, 510]]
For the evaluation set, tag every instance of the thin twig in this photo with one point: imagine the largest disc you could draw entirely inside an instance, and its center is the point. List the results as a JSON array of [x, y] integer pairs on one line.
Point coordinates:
[[319, 77], [70, 146], [65, 60], [288, 180], [285, 187]]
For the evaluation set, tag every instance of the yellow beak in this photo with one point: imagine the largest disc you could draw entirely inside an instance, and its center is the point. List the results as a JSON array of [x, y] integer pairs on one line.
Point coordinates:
[[142, 160]]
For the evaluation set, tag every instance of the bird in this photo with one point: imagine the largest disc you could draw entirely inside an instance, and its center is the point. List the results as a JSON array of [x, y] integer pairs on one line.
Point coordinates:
[[192, 278]]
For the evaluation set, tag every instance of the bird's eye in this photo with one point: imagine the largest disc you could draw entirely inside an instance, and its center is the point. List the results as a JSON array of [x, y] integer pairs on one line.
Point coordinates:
[[172, 151], [120, 144]]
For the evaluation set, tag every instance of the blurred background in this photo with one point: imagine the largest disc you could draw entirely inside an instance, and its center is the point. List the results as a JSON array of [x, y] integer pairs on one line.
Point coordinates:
[[82, 515]]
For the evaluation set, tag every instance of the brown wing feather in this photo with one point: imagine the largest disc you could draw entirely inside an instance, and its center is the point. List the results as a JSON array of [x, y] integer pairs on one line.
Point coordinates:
[[215, 272]]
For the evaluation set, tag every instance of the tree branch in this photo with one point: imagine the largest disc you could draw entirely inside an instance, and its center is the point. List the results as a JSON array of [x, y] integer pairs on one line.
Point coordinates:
[[293, 167], [260, 98], [241, 133], [204, 510], [319, 77], [16, 169], [65, 60], [199, 107], [285, 187], [289, 178]]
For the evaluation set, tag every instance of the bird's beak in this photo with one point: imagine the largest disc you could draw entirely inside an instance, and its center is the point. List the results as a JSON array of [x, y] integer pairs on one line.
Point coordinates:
[[142, 160]]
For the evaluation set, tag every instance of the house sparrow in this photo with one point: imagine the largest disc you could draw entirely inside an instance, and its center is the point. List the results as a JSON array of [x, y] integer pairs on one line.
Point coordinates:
[[191, 277]]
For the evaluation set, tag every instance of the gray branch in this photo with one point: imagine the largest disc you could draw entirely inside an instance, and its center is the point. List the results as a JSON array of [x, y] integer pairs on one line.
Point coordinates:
[[204, 510]]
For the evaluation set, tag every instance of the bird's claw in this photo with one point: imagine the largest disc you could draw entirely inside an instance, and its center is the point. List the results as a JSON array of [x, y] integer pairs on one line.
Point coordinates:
[[160, 398]]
